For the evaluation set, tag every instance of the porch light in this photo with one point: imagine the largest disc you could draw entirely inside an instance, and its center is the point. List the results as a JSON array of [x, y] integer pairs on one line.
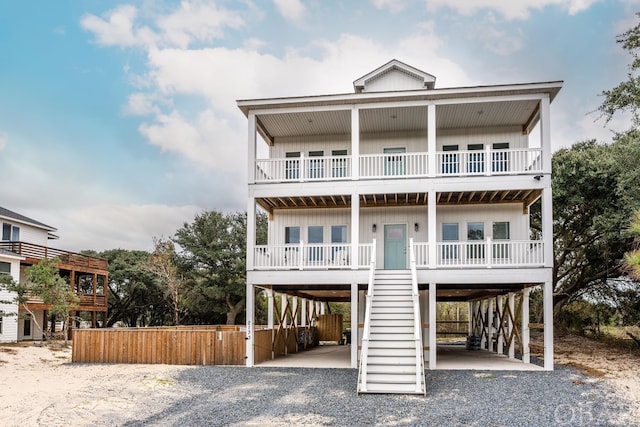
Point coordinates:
[[374, 228], [416, 226]]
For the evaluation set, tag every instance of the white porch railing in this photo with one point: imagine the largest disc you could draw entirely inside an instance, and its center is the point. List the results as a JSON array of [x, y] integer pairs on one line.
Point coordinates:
[[489, 162], [304, 256], [417, 323], [400, 165], [507, 253], [366, 333]]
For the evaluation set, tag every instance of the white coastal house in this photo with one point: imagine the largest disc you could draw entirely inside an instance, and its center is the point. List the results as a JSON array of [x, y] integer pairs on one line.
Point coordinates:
[[399, 195], [24, 242]]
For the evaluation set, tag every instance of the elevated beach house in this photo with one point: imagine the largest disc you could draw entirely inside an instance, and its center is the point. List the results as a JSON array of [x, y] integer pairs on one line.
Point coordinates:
[[400, 195], [24, 242]]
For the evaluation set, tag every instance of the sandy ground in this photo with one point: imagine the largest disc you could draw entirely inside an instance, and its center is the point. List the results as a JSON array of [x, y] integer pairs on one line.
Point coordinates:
[[40, 386]]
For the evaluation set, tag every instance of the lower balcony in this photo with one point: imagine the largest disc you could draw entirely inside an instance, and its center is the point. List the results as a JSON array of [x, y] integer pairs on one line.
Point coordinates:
[[469, 254]]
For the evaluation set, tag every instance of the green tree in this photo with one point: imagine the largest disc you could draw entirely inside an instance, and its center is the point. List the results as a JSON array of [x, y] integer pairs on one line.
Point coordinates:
[[213, 256], [632, 258], [135, 297]]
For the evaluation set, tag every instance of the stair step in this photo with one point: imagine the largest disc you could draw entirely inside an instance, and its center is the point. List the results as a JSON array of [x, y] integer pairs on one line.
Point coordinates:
[[392, 388], [408, 304], [394, 322], [392, 316], [392, 352], [388, 378], [388, 329], [392, 369], [382, 336], [391, 360], [392, 344]]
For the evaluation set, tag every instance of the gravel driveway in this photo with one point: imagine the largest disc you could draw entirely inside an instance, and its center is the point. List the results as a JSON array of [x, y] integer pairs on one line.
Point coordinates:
[[213, 396]]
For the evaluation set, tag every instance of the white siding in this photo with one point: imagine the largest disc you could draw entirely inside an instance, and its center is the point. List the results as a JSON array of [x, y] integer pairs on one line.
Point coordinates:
[[303, 218], [488, 214], [486, 136], [377, 142], [29, 234], [393, 80], [36, 333], [304, 144], [10, 323]]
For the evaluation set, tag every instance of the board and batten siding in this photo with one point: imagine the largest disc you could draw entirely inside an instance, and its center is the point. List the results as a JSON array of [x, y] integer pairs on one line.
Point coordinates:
[[487, 214], [9, 331], [412, 141]]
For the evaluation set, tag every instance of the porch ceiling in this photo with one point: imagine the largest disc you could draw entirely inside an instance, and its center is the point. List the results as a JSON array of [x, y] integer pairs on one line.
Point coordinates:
[[448, 292], [522, 113], [526, 197]]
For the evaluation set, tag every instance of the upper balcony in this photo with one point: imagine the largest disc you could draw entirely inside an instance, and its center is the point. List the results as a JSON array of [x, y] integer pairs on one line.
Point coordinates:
[[487, 162], [67, 260]]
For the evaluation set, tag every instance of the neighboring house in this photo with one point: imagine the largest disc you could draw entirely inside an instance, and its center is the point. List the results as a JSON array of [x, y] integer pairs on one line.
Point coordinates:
[[400, 195], [24, 242]]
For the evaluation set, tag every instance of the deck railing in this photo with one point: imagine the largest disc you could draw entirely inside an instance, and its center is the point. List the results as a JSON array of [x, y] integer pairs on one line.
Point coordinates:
[[400, 165], [32, 250], [309, 256], [490, 253]]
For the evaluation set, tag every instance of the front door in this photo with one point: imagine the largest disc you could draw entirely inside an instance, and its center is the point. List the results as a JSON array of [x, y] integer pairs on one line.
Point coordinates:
[[395, 246]]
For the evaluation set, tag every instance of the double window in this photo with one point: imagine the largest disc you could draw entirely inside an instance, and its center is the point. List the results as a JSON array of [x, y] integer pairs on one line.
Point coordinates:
[[450, 160], [10, 232], [292, 165], [500, 159]]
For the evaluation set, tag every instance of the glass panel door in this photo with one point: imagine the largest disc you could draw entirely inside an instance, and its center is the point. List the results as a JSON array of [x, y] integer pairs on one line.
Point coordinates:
[[475, 233], [339, 164], [395, 247], [450, 233], [501, 236], [394, 165], [450, 160], [292, 167], [316, 166], [315, 235], [339, 252], [500, 159], [475, 162]]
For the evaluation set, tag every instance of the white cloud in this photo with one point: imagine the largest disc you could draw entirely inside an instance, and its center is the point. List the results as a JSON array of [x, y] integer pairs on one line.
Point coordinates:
[[496, 40], [393, 6], [517, 9], [4, 139], [143, 104], [117, 28], [291, 10]]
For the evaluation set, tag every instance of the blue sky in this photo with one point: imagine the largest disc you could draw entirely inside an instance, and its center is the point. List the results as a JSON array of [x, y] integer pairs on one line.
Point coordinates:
[[118, 121]]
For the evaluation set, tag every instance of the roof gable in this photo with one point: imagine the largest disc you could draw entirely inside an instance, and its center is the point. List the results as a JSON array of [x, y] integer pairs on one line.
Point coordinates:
[[11, 215], [394, 76]]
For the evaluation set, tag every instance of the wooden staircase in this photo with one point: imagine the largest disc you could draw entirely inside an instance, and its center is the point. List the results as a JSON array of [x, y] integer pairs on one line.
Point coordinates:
[[390, 362]]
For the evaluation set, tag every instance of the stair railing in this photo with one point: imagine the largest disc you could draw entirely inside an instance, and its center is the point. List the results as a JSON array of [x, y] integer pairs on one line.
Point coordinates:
[[362, 377], [417, 331]]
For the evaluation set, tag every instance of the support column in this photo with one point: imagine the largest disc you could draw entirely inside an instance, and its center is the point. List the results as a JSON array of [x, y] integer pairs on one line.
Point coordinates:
[[251, 144], [470, 306], [424, 317], [431, 140], [547, 226], [432, 228], [483, 328], [548, 325], [284, 304], [355, 144], [270, 308], [432, 325], [545, 134], [490, 311], [355, 230], [250, 301], [251, 232], [500, 330], [303, 312], [322, 308], [512, 345], [526, 355], [354, 325], [294, 311]]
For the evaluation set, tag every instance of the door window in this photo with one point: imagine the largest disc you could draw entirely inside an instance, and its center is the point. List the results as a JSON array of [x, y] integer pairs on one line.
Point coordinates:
[[501, 232], [292, 165], [315, 237], [450, 160], [500, 159], [394, 165], [475, 233], [339, 252], [316, 166], [475, 162], [339, 163], [450, 233]]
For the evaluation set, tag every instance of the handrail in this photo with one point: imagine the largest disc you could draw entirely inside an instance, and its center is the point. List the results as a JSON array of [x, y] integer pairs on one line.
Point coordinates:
[[417, 333], [362, 374]]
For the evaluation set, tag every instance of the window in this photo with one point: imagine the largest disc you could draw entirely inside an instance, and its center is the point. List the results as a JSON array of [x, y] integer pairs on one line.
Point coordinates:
[[339, 252], [292, 167], [501, 232], [449, 160], [315, 235], [394, 165], [450, 234], [292, 234], [500, 159], [26, 330], [316, 166], [475, 162], [475, 232], [5, 267], [10, 232], [339, 164]]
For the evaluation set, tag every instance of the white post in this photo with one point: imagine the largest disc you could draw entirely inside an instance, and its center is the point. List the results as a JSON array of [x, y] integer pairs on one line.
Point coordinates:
[[424, 305], [432, 325], [490, 324], [545, 134], [355, 230], [251, 152], [432, 228], [317, 308], [285, 302], [548, 325], [547, 225], [526, 355], [354, 325], [303, 314], [250, 302], [270, 308], [470, 306], [322, 308], [512, 346], [294, 311], [355, 143], [431, 140], [487, 160], [251, 232], [483, 316], [312, 312], [488, 253], [500, 311]]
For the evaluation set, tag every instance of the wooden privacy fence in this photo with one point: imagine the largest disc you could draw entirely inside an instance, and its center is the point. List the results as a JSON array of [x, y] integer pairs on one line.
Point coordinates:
[[181, 345]]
